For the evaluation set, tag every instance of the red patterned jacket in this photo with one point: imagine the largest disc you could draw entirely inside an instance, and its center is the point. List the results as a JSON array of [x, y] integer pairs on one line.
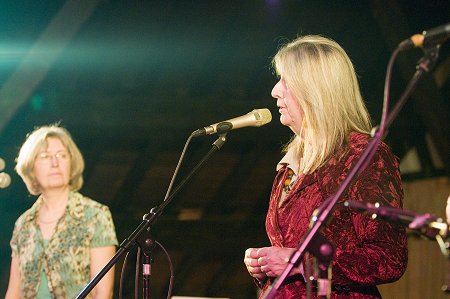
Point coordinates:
[[368, 252]]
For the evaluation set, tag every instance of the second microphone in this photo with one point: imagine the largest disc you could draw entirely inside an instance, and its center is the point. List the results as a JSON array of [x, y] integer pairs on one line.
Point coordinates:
[[255, 118]]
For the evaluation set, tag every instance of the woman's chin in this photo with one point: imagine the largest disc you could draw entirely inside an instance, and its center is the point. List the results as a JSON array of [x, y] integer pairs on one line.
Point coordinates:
[[284, 121]]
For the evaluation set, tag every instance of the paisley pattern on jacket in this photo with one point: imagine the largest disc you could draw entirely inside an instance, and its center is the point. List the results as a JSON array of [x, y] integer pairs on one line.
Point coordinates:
[[368, 251], [86, 224]]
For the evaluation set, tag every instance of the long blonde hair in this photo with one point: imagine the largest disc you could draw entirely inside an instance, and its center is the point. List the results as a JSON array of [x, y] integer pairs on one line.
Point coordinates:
[[38, 140], [321, 76]]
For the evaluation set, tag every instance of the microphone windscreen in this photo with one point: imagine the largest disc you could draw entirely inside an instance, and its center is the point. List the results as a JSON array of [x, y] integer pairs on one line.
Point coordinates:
[[5, 180], [263, 115]]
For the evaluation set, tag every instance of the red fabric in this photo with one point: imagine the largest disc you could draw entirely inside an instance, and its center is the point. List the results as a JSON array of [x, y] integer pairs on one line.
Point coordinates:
[[367, 251]]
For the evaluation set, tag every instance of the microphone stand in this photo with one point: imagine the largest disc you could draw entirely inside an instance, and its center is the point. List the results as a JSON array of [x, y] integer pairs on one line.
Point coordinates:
[[446, 287], [147, 244], [426, 225], [148, 220], [425, 64]]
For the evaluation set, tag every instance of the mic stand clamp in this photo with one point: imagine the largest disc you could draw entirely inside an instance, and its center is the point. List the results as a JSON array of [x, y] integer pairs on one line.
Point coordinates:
[[428, 61], [323, 251], [146, 243]]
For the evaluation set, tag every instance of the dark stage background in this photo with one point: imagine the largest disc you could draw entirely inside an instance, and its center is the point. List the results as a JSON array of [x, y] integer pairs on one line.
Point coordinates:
[[132, 79]]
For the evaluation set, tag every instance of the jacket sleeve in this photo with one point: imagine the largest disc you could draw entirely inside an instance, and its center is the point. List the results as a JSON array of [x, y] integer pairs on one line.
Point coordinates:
[[379, 251]]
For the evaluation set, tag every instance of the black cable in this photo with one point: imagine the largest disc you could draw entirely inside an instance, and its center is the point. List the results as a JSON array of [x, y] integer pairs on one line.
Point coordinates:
[[169, 291], [122, 275], [136, 275]]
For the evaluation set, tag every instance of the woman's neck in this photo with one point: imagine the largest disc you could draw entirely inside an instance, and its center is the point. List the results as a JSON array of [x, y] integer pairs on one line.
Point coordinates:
[[55, 200]]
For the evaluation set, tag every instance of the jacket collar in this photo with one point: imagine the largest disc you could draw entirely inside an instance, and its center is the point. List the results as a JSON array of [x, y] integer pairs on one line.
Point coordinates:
[[74, 207], [335, 169]]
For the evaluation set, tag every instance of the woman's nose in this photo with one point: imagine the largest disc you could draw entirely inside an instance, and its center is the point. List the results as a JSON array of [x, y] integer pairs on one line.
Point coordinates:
[[277, 91], [55, 160]]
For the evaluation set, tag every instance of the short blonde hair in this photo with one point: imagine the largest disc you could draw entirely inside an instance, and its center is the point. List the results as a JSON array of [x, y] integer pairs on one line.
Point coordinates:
[[34, 143], [321, 76]]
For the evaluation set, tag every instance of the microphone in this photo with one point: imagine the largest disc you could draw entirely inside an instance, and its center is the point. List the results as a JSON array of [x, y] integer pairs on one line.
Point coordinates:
[[430, 37], [2, 164], [5, 180], [255, 118], [427, 224]]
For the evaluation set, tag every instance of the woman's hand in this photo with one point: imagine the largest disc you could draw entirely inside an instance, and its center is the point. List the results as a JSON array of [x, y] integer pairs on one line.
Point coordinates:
[[251, 262], [268, 261]]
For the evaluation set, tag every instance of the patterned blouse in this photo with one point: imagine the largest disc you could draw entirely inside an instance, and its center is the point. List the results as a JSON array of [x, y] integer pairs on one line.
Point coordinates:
[[368, 251], [86, 224]]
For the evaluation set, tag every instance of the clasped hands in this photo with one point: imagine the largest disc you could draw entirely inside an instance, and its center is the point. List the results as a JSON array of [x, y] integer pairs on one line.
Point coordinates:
[[268, 261]]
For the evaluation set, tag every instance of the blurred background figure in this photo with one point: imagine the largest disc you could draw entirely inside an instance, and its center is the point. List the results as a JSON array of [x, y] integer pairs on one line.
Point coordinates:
[[65, 238]]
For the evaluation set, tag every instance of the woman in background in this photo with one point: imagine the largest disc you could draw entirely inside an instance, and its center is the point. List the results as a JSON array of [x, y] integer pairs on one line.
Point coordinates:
[[319, 99], [65, 238]]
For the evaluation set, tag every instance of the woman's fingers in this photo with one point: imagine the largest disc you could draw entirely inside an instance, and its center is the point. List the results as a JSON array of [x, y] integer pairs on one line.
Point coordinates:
[[267, 261], [251, 262], [252, 253]]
